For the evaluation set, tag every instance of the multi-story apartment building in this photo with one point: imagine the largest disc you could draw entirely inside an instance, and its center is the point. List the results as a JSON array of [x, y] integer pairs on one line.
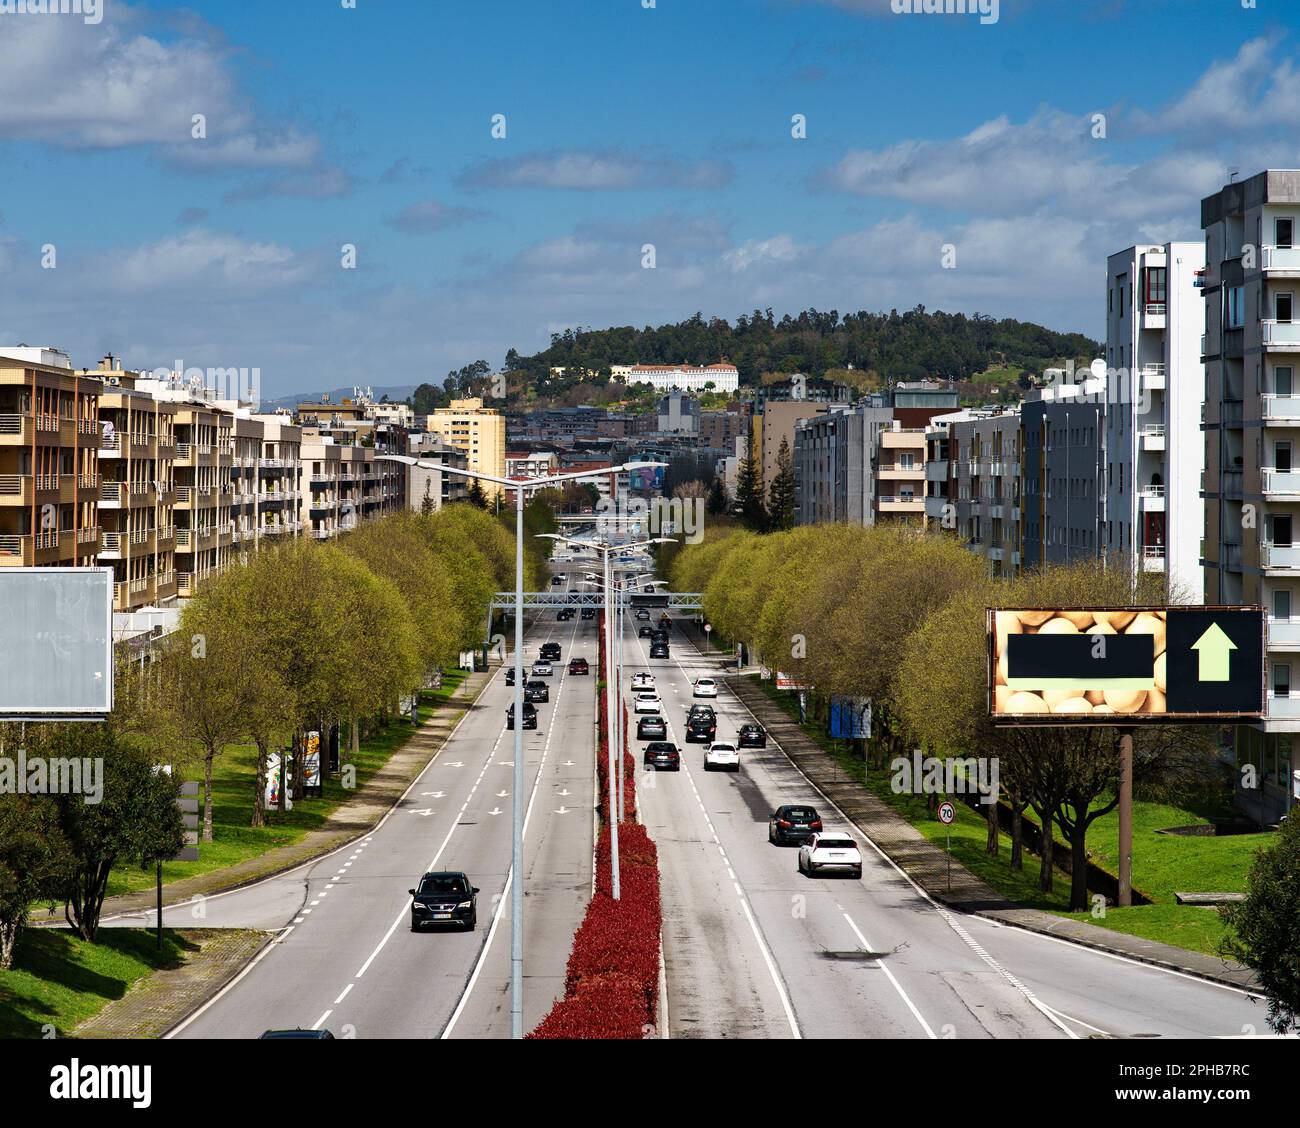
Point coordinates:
[[279, 465], [49, 460], [427, 489], [720, 429], [900, 474], [983, 449], [776, 422], [137, 491], [477, 430], [1251, 553], [531, 464], [679, 413], [1155, 451]]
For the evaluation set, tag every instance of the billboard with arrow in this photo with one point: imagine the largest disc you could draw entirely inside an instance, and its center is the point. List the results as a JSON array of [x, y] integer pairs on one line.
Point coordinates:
[[1119, 666]]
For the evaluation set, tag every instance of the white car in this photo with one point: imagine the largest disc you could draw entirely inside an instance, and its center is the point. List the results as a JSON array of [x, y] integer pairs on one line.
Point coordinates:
[[721, 755], [543, 670], [646, 703], [830, 850], [705, 687], [643, 681]]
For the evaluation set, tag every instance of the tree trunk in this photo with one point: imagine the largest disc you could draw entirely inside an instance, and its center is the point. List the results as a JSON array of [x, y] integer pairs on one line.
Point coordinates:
[[208, 756], [991, 845], [1079, 868], [355, 738], [259, 786], [1045, 856], [1017, 837], [9, 929], [283, 796]]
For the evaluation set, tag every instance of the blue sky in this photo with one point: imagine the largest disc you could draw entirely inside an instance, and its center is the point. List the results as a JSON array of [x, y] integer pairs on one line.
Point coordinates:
[[625, 126]]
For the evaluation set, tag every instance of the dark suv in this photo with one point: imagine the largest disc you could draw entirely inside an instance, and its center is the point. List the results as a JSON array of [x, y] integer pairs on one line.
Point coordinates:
[[793, 823], [751, 736], [701, 727], [659, 650], [530, 716], [550, 651], [537, 691], [445, 897], [661, 754], [588, 612]]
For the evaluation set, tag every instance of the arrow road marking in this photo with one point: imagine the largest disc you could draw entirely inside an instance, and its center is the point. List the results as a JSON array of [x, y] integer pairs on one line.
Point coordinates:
[[1213, 651], [425, 811], [434, 794], [502, 794], [495, 811], [563, 810]]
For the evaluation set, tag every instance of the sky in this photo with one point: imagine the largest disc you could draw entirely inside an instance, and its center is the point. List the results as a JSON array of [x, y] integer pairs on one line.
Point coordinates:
[[499, 168]]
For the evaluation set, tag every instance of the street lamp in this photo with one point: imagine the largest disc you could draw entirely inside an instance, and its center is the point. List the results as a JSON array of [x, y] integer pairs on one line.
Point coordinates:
[[517, 799], [614, 719]]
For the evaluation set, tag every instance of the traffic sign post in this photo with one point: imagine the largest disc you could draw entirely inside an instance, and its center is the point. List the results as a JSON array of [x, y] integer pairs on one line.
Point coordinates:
[[708, 630], [947, 816]]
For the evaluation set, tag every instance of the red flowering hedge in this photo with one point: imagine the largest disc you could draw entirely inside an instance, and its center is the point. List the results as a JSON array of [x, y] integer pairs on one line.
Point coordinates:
[[612, 982]]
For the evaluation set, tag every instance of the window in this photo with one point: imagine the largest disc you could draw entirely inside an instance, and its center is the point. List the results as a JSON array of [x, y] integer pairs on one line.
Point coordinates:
[[1233, 315], [1282, 456], [1281, 679], [1157, 285], [1282, 604], [1283, 232], [1281, 523], [1282, 306], [1282, 380]]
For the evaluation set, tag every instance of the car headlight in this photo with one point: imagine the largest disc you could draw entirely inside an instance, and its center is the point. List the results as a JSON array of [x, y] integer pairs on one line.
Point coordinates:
[[464, 904]]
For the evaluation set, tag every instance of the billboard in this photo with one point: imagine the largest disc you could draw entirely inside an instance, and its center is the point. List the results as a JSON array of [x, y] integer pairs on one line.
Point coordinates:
[[1125, 665], [56, 642], [850, 718]]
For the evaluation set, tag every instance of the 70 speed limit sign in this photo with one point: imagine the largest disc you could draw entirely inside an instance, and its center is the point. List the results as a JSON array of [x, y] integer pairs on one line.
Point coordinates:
[[947, 813]]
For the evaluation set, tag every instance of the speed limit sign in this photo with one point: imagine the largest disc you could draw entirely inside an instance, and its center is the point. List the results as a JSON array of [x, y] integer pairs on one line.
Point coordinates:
[[947, 813]]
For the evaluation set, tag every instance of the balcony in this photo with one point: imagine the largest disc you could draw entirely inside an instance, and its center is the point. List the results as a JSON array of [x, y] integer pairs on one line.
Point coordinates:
[[110, 446], [1153, 558], [1152, 498], [1284, 634], [1284, 708], [1281, 261], [1153, 377], [1153, 437], [893, 503], [1281, 483], [1280, 410], [901, 473], [15, 489], [110, 546], [1281, 335], [1153, 315], [1279, 557], [185, 584]]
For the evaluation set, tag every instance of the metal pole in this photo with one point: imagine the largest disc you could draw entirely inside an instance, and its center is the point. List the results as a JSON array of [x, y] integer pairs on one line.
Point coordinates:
[[609, 729], [517, 798], [1125, 817], [160, 905], [618, 697]]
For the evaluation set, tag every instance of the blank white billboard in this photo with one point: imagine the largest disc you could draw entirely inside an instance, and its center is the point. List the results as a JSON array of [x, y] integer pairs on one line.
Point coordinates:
[[56, 642]]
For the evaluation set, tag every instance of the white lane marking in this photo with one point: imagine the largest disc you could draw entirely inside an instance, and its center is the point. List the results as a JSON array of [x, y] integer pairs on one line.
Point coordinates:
[[499, 915], [344, 994], [246, 970], [867, 947], [321, 1021], [740, 892]]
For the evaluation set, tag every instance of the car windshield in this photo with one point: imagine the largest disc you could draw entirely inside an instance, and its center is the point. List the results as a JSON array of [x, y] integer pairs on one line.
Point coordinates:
[[825, 843], [444, 886], [724, 748], [803, 814]]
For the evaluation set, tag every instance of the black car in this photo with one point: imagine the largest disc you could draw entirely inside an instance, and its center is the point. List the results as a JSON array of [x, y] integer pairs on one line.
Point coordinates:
[[793, 823], [530, 716], [659, 650], [537, 691], [551, 651], [556, 581], [665, 623], [564, 614], [510, 674], [299, 1032], [701, 728], [651, 728], [642, 613], [588, 612], [578, 666], [646, 631], [445, 897], [661, 754], [751, 736]]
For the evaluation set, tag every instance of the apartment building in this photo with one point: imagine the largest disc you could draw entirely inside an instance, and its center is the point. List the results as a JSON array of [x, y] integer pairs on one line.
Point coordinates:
[[477, 430], [531, 464], [1251, 350], [137, 491], [900, 474], [719, 430], [49, 460], [679, 413], [279, 466], [1155, 451], [777, 422], [983, 484], [428, 489]]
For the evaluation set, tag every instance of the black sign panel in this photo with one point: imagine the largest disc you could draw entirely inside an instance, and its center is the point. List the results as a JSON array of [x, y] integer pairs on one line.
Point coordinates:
[[1215, 661]]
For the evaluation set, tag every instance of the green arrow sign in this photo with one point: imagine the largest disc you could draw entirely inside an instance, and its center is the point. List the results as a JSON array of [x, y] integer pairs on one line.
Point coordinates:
[[1212, 650]]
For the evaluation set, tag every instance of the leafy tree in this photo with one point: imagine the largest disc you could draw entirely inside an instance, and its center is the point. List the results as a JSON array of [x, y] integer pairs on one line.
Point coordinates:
[[476, 496], [716, 504], [781, 495], [749, 495], [34, 863], [1265, 927]]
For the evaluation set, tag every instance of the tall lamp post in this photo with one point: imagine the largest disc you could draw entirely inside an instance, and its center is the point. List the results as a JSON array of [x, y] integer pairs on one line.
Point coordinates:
[[520, 486], [613, 719]]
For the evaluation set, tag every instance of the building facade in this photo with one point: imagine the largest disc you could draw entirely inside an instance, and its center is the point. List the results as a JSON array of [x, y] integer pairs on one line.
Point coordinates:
[[477, 430]]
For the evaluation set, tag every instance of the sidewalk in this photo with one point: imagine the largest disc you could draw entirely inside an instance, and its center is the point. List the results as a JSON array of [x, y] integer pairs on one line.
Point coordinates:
[[349, 821], [927, 865]]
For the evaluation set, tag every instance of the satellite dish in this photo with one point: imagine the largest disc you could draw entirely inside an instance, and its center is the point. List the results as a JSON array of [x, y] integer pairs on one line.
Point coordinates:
[[1098, 368]]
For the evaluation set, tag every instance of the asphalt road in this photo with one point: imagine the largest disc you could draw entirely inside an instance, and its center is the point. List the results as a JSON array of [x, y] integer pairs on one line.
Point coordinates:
[[755, 949], [346, 959]]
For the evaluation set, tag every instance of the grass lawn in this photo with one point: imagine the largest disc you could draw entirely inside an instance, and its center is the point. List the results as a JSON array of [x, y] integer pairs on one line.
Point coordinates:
[[233, 776], [60, 980], [1162, 863]]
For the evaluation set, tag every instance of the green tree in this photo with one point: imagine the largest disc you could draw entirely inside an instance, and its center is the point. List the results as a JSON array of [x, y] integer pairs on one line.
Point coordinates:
[[717, 502], [749, 495], [34, 863], [1265, 927], [477, 497], [781, 495]]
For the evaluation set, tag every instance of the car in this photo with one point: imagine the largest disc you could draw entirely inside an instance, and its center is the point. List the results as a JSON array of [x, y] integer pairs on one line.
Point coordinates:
[[590, 577], [831, 849], [697, 707], [543, 670], [651, 728], [665, 623], [510, 674], [661, 754], [530, 716], [550, 652], [642, 614], [444, 897], [536, 691], [563, 615], [646, 702], [658, 634], [705, 687], [643, 680], [645, 632], [556, 581], [578, 666], [659, 650], [299, 1032], [720, 754], [701, 728], [588, 612], [752, 736], [792, 823]]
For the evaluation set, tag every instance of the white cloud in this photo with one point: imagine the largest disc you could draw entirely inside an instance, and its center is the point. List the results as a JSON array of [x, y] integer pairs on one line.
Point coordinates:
[[596, 171]]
